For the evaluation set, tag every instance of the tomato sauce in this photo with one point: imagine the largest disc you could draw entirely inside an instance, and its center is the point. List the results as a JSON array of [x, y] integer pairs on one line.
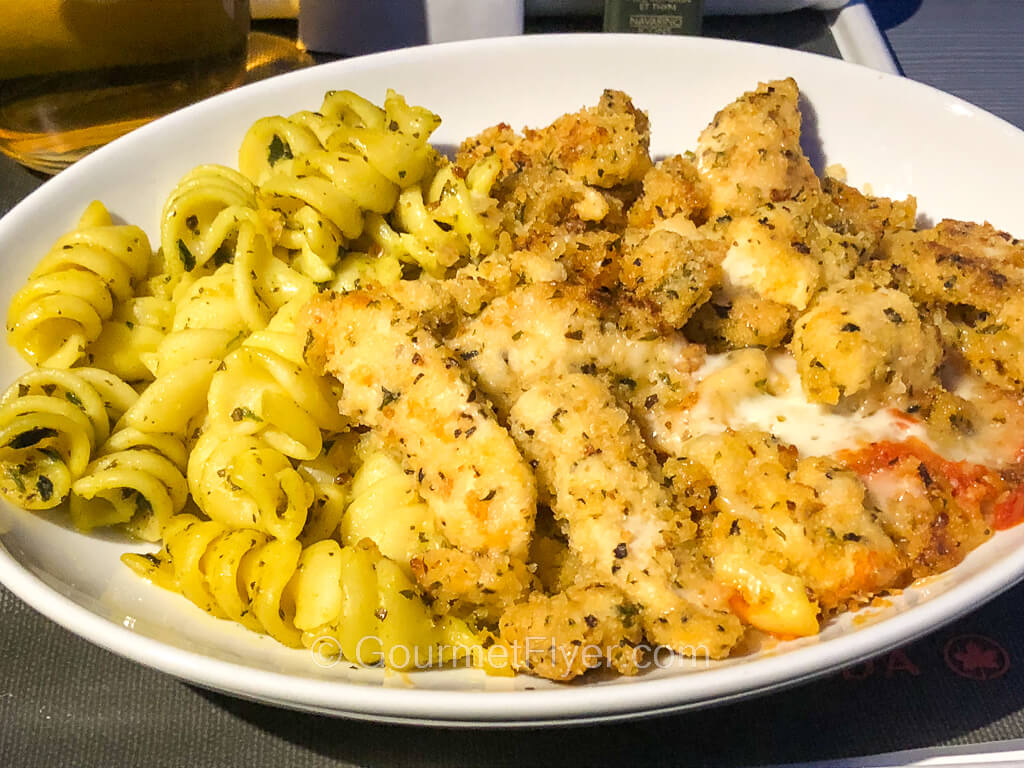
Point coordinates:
[[976, 488]]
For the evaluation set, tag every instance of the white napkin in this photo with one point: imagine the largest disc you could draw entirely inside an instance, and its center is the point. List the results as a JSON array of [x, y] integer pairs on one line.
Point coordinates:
[[711, 7]]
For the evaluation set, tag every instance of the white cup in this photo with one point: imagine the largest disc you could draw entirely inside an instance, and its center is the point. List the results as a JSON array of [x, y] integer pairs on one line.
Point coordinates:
[[354, 27]]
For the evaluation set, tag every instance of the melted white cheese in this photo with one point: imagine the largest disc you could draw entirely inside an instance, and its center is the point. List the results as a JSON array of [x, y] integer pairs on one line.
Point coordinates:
[[785, 412]]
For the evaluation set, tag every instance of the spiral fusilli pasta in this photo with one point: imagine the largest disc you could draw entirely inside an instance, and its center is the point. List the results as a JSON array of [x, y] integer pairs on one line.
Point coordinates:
[[386, 508], [131, 338], [171, 398], [241, 481], [200, 215], [324, 171], [75, 288], [136, 481], [266, 389], [352, 595], [50, 422], [328, 476], [443, 220]]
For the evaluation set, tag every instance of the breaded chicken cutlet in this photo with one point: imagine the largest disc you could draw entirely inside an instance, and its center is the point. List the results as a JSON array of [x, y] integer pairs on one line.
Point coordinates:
[[627, 357]]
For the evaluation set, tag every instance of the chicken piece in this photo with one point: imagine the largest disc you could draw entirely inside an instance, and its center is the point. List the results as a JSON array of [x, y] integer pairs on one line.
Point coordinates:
[[576, 176], [562, 636], [977, 272], [993, 343], [399, 379], [849, 211], [784, 253], [540, 332], [607, 488], [778, 258], [750, 154], [672, 187], [739, 319], [539, 203], [555, 565], [769, 254], [957, 262], [792, 536], [864, 344], [444, 302], [501, 140], [602, 146], [935, 510], [950, 418], [670, 273], [478, 586]]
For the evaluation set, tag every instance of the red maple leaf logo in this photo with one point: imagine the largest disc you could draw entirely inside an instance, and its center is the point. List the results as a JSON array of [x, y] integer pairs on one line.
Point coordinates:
[[976, 657]]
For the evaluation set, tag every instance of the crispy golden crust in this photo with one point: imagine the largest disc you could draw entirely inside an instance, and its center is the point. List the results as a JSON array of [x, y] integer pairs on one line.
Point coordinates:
[[670, 274], [562, 636], [606, 486], [849, 211], [602, 146], [475, 586], [770, 252], [742, 319], [672, 187], [750, 153], [992, 343], [934, 510], [976, 273], [957, 262], [659, 524], [580, 171], [544, 331], [794, 516], [866, 344], [399, 379]]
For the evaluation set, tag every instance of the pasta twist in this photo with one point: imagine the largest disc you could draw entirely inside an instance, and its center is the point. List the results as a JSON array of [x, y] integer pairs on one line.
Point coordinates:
[[175, 402], [323, 171], [215, 312], [352, 595], [266, 389], [199, 216], [328, 477], [242, 482], [211, 224], [130, 339], [50, 422], [357, 602], [75, 288], [137, 481], [386, 508], [207, 323], [443, 221]]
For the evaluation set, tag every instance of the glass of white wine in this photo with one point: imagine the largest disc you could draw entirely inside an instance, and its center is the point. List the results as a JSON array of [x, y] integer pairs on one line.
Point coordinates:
[[75, 74]]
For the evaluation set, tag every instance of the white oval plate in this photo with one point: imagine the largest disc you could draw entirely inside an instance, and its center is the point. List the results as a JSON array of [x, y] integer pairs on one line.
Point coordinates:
[[900, 136]]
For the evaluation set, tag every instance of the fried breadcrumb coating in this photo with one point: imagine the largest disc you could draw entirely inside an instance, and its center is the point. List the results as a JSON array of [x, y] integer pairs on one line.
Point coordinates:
[[750, 153], [399, 379], [605, 484], [864, 343], [591, 406], [564, 635]]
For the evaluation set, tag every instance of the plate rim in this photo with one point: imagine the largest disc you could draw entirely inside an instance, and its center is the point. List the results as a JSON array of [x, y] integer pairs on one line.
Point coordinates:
[[529, 708]]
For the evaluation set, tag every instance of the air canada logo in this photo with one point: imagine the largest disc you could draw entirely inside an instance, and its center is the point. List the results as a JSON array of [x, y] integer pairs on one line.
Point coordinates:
[[976, 657]]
